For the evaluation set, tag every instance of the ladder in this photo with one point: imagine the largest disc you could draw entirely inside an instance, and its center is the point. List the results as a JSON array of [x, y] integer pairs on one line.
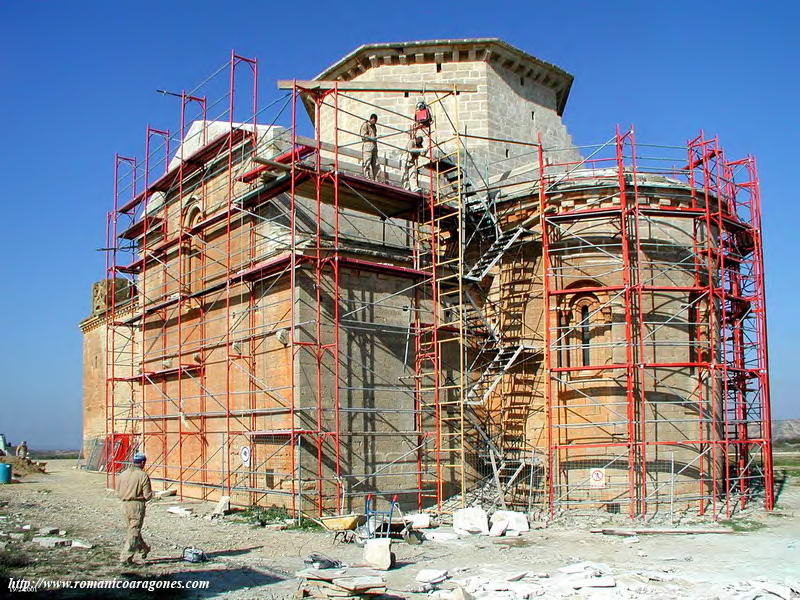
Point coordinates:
[[499, 247], [476, 317], [493, 373], [439, 330]]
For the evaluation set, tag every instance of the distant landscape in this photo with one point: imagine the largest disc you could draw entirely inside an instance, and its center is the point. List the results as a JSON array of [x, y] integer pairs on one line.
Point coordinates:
[[787, 430], [54, 454]]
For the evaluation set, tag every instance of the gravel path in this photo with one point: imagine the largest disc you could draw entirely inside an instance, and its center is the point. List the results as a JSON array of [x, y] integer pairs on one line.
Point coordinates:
[[250, 562]]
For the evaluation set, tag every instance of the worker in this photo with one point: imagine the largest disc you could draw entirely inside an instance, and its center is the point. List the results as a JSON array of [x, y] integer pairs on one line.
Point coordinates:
[[22, 450], [422, 117], [414, 149], [369, 147], [133, 488]]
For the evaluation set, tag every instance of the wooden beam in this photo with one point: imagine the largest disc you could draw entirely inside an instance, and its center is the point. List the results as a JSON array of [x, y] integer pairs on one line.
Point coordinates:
[[632, 532], [376, 86]]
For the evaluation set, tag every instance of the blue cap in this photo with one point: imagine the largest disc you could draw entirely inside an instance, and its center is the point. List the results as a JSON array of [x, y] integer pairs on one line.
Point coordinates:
[[139, 457]]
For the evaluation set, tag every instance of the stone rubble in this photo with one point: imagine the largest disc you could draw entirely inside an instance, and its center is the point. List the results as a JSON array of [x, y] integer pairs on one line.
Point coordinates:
[[48, 530], [419, 520], [222, 508], [378, 553], [516, 521], [50, 541], [181, 511], [431, 576], [472, 520]]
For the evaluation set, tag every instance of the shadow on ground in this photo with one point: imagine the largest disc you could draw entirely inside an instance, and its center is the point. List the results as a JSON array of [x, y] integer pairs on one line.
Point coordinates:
[[220, 581]]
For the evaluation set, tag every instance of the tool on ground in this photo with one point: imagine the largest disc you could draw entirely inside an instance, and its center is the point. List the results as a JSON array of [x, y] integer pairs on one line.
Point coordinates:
[[194, 555]]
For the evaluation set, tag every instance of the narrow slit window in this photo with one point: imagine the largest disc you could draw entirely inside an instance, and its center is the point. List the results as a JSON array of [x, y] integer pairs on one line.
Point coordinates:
[[586, 337]]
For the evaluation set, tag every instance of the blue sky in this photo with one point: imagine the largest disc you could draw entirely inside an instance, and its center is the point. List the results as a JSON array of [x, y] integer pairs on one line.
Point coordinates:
[[77, 84]]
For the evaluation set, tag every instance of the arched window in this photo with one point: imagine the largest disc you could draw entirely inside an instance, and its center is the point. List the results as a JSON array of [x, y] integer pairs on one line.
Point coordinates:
[[581, 329], [192, 264], [586, 337], [584, 332]]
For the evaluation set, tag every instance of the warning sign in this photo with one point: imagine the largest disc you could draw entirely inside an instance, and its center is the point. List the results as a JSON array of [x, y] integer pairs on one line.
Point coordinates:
[[244, 453], [597, 478]]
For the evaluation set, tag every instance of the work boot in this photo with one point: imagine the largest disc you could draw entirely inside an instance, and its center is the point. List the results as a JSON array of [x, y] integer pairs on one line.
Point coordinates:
[[145, 552]]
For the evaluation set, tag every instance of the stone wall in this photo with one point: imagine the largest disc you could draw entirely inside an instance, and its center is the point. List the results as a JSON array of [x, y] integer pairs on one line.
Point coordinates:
[[96, 369], [590, 406], [506, 105]]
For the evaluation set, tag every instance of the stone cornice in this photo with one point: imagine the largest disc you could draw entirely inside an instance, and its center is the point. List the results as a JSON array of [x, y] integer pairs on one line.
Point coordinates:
[[490, 50], [94, 321]]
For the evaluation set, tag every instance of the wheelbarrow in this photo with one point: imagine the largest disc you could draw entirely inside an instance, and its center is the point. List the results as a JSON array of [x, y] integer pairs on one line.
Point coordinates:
[[388, 523], [342, 526]]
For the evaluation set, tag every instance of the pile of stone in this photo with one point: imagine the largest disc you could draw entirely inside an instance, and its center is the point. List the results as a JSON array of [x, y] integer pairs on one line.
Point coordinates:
[[476, 521], [46, 537], [763, 588], [583, 578], [346, 582]]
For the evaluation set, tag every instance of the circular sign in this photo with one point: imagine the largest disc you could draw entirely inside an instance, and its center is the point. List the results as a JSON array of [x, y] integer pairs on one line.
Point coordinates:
[[597, 478], [244, 453]]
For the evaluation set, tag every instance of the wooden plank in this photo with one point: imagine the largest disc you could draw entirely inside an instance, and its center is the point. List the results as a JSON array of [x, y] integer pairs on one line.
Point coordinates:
[[365, 195], [632, 532], [375, 86]]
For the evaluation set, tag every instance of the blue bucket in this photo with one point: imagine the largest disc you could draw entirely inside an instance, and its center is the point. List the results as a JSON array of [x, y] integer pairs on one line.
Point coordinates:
[[5, 473]]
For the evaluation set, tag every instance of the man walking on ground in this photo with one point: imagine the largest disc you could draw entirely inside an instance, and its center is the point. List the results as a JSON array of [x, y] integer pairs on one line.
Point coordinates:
[[414, 149], [369, 147], [133, 488]]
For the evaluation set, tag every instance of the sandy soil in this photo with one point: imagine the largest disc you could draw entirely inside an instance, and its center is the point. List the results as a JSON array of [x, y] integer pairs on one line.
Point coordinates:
[[253, 562]]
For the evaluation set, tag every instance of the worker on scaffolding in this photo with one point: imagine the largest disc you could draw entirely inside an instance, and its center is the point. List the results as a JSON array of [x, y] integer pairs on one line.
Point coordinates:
[[369, 147], [422, 119], [414, 150], [133, 488]]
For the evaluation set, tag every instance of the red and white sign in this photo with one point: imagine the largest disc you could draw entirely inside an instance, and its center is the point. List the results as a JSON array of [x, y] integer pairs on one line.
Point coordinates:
[[597, 478]]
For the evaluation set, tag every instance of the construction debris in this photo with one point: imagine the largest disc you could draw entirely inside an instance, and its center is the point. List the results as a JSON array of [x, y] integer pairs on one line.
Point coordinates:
[[223, 507], [378, 553], [320, 561], [163, 494], [516, 521], [48, 530], [431, 576], [441, 536], [50, 541], [342, 583], [473, 520], [638, 532], [419, 520], [181, 511], [498, 528]]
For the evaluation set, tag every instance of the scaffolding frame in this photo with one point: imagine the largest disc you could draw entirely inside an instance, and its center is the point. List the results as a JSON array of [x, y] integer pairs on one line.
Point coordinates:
[[213, 241], [719, 219]]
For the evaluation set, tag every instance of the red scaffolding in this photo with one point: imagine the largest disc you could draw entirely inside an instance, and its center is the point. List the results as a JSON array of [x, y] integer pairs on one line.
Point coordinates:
[[697, 247], [233, 365]]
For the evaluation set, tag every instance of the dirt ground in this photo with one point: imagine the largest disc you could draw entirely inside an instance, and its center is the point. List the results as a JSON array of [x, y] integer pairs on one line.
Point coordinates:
[[247, 561]]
